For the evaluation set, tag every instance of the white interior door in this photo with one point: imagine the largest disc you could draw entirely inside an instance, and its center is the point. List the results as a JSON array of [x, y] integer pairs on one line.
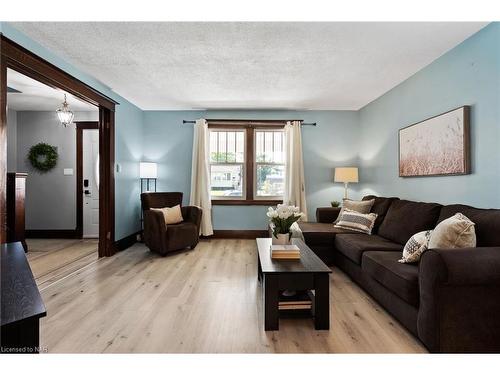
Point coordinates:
[[90, 183]]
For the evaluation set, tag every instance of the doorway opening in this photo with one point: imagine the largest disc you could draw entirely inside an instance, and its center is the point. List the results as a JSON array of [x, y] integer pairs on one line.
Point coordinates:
[[45, 195], [22, 61]]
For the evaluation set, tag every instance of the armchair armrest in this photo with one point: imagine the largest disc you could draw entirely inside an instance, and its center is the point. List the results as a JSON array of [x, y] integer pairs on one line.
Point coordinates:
[[154, 229], [459, 299], [327, 214], [192, 214]]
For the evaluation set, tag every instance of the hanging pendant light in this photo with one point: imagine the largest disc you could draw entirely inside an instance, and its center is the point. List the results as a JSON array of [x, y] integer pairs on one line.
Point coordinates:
[[64, 114]]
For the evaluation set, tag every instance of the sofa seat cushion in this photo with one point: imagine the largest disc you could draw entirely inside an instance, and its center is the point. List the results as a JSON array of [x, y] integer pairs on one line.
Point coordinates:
[[322, 234], [399, 278], [405, 218], [354, 245]]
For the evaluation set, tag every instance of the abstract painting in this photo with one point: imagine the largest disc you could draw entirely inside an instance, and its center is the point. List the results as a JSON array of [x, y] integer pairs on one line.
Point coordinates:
[[436, 146]]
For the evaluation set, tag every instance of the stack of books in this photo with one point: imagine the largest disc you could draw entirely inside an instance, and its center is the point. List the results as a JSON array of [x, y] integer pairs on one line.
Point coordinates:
[[285, 252], [300, 301]]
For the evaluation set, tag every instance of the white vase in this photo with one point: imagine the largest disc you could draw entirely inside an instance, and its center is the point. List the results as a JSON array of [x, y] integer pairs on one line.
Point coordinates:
[[283, 239]]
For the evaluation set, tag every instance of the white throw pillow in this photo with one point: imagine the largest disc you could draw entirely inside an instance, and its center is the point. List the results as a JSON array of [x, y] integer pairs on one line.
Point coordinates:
[[355, 221], [415, 246], [455, 232], [172, 215]]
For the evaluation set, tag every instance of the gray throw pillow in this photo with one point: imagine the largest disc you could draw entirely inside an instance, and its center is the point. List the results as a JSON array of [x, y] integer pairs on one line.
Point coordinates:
[[363, 207], [357, 222]]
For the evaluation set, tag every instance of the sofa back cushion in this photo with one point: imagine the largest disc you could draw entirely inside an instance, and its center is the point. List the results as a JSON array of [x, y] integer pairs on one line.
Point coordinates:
[[380, 207], [405, 218], [487, 222], [160, 200]]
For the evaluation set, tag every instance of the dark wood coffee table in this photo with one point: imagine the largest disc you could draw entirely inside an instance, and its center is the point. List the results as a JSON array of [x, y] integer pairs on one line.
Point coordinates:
[[307, 273]]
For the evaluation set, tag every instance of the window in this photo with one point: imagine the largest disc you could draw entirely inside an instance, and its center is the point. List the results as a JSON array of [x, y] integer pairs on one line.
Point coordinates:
[[269, 163], [247, 165], [227, 162]]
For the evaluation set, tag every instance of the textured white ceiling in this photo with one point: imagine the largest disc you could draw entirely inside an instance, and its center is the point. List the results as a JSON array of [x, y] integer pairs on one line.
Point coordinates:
[[268, 65], [35, 96]]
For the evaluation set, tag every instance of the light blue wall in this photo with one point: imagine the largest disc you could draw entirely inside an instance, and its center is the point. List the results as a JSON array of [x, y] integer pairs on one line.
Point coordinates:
[[128, 137], [469, 74], [128, 154], [333, 142]]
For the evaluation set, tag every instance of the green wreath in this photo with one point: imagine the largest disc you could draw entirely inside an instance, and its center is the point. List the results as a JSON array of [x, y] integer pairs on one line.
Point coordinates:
[[43, 157]]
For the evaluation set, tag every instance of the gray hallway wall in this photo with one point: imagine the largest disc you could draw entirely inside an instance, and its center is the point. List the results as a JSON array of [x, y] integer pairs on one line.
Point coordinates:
[[51, 196]]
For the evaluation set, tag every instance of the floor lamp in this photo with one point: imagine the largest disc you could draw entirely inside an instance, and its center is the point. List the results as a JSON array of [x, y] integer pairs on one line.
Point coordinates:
[[346, 175], [147, 172]]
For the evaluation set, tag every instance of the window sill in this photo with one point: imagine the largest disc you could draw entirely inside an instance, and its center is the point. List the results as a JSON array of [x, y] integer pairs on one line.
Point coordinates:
[[242, 202]]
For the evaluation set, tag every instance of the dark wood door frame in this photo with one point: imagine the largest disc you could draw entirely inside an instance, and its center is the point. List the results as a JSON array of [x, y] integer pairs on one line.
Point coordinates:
[[80, 127], [18, 58]]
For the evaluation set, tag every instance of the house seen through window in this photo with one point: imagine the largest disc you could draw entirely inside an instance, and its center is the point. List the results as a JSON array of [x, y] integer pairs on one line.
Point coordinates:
[[269, 163]]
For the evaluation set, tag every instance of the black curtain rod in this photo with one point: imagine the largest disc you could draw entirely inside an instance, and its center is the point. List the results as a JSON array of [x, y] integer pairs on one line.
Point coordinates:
[[262, 121]]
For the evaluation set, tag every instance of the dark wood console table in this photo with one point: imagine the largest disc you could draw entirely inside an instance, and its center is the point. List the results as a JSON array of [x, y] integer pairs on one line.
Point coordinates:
[[22, 305]]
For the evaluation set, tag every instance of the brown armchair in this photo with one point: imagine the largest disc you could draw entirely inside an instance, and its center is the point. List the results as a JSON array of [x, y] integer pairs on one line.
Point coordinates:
[[161, 238]]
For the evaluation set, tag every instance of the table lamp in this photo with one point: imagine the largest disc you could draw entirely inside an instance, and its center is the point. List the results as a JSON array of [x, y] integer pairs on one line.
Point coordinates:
[[346, 175]]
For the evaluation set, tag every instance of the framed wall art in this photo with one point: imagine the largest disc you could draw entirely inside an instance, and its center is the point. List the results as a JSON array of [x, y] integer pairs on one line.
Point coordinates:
[[437, 146]]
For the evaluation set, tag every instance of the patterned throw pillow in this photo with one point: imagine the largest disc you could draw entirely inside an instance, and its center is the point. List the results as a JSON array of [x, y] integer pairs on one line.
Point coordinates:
[[356, 221], [363, 207], [415, 246]]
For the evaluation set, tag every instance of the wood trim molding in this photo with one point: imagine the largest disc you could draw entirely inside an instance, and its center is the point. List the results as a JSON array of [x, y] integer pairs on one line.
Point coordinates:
[[249, 163], [240, 234], [87, 125], [20, 59], [3, 146], [52, 233], [127, 242], [26, 62], [79, 181], [242, 202]]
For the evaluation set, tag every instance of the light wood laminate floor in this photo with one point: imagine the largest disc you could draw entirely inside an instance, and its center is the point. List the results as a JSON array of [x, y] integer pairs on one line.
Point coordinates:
[[54, 259], [207, 300]]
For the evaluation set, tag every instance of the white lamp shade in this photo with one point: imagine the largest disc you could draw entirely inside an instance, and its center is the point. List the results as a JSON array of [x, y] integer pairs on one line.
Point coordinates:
[[346, 174], [148, 170]]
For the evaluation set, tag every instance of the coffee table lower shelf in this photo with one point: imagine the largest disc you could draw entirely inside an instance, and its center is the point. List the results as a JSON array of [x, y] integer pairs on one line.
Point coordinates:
[[273, 285]]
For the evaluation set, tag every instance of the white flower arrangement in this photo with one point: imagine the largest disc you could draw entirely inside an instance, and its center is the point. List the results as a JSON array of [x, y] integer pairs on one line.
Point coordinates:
[[283, 217]]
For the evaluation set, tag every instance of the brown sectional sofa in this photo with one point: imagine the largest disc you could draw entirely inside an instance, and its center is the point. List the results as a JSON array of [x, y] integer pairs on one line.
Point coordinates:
[[450, 300]]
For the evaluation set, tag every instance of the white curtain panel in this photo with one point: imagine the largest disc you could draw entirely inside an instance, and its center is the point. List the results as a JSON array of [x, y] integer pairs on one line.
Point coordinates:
[[295, 190], [200, 176]]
